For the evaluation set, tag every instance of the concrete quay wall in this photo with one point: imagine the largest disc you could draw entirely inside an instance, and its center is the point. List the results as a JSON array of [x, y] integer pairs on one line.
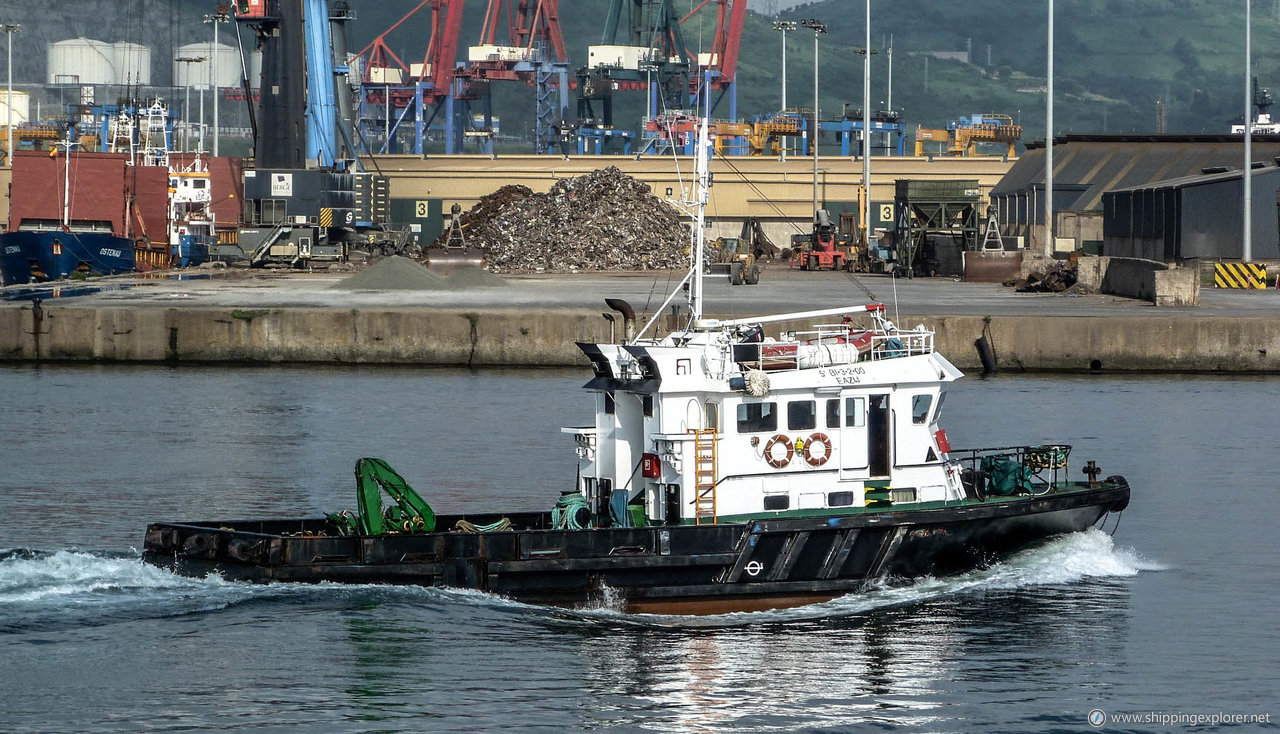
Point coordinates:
[[509, 337]]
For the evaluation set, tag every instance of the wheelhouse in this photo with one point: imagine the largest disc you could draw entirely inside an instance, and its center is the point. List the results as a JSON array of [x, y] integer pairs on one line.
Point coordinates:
[[721, 423]]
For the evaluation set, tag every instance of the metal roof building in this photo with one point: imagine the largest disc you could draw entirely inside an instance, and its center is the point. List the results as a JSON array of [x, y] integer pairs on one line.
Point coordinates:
[[1193, 217], [1086, 166]]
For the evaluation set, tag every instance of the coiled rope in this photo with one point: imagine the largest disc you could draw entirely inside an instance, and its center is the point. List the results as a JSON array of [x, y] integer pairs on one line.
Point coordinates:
[[493, 527], [564, 516]]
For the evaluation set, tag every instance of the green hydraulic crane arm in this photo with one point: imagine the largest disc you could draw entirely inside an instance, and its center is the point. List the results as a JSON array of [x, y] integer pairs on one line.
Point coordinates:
[[373, 477]]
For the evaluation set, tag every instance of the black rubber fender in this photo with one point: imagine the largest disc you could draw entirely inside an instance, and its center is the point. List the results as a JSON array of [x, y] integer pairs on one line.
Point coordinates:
[[986, 354], [200, 545], [1119, 481]]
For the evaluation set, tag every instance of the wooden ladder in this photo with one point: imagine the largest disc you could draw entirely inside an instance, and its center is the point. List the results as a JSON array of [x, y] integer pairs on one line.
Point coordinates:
[[704, 475]]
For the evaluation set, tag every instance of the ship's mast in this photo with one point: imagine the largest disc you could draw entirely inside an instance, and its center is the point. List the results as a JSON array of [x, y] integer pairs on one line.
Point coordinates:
[[702, 170], [66, 182]]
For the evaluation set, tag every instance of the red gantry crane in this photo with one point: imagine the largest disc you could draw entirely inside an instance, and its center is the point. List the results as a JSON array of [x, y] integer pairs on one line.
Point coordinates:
[[532, 52], [393, 93], [719, 67]]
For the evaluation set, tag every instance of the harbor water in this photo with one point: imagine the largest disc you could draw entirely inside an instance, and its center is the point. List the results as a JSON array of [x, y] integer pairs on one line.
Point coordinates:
[[1173, 614]]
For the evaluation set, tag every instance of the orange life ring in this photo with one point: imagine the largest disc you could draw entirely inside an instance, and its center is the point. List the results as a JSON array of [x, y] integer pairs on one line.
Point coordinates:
[[826, 447], [768, 451]]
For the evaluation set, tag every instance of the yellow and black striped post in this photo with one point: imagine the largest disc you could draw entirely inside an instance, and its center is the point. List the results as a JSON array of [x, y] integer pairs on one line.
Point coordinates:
[[326, 218], [1240, 275]]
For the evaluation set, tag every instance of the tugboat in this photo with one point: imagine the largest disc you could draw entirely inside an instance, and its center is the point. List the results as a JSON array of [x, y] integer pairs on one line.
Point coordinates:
[[732, 465], [191, 224]]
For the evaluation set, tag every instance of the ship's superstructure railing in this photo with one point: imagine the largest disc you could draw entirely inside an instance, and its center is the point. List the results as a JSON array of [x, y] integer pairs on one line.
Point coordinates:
[[829, 345], [896, 344]]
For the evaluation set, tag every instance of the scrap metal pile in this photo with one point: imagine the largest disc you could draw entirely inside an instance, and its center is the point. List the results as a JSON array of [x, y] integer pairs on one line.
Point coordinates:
[[605, 220], [1059, 278]]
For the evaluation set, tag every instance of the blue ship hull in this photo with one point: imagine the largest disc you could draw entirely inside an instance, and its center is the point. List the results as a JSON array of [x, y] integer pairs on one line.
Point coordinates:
[[27, 257], [191, 250]]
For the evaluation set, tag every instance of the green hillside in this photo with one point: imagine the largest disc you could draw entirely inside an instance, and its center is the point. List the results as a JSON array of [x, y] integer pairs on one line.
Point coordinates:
[[1114, 60]]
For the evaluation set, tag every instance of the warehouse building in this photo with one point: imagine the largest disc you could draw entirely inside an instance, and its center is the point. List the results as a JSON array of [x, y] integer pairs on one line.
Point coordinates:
[[1194, 217], [1088, 166]]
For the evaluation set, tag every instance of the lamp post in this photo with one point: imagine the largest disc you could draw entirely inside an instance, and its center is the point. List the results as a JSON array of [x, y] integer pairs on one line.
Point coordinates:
[[889, 106], [1247, 252], [818, 29], [1048, 148], [784, 26], [866, 52], [222, 14], [9, 30], [186, 109]]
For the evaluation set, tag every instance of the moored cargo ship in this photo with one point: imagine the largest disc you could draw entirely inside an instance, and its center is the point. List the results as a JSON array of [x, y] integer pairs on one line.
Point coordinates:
[[85, 213]]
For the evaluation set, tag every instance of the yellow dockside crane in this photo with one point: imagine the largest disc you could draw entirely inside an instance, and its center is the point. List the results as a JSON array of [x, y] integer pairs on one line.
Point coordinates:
[[963, 135]]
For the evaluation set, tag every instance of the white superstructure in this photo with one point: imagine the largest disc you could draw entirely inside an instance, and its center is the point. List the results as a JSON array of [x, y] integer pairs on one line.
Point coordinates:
[[717, 421]]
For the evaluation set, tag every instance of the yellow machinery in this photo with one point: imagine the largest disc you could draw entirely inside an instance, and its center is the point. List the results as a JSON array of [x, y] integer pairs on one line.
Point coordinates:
[[733, 256], [767, 134], [41, 136], [727, 130], [963, 135]]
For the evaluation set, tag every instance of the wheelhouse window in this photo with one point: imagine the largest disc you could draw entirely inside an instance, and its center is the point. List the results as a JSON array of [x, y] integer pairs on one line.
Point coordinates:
[[608, 402], [855, 412], [647, 405], [757, 417], [802, 415], [920, 405], [833, 413], [712, 422]]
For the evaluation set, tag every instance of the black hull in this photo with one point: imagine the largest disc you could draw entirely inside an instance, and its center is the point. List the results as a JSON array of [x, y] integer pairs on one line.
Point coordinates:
[[684, 569]]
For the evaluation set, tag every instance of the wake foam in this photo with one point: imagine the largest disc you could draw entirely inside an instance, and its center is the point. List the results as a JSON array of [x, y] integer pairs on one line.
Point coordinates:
[[33, 576], [44, 590]]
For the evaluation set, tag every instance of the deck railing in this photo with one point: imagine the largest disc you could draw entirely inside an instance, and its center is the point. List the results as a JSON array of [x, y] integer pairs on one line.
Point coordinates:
[[828, 345], [1011, 470]]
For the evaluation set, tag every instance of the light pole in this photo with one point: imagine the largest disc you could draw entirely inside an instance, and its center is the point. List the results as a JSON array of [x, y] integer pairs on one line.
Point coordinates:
[[1048, 148], [221, 16], [1247, 253], [186, 109], [890, 50], [784, 26], [866, 128], [200, 143], [818, 29], [9, 30]]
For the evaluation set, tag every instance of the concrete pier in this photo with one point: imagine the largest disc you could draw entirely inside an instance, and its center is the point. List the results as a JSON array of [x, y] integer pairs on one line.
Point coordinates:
[[536, 321]]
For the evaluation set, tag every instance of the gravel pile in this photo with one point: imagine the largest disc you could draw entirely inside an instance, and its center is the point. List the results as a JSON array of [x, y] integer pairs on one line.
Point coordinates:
[[605, 220], [397, 273], [393, 273]]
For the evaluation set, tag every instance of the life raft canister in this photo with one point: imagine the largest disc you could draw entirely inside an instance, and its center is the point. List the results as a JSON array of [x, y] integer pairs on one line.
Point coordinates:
[[940, 436], [774, 461], [826, 449]]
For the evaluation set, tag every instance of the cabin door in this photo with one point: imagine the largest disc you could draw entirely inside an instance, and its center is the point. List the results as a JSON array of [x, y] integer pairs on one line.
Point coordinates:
[[879, 441], [853, 453], [711, 416]]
